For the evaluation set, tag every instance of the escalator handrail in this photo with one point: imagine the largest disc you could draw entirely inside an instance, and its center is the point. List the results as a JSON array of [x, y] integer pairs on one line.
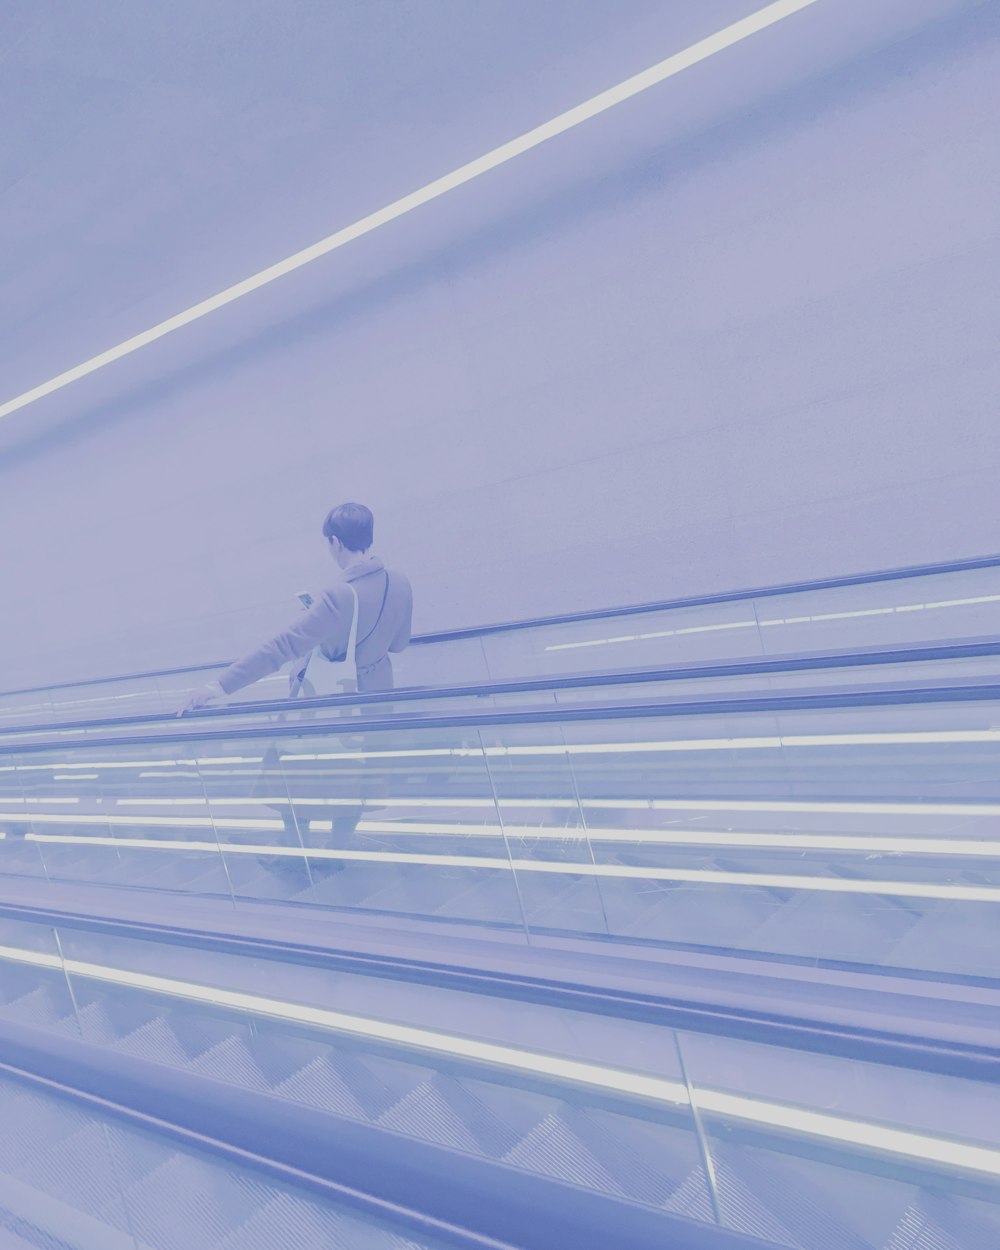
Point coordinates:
[[808, 661], [840, 698], [901, 573], [771, 1024]]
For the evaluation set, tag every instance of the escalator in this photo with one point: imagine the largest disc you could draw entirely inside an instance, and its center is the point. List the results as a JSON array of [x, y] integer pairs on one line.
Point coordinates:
[[697, 954], [897, 610], [803, 1149], [850, 826]]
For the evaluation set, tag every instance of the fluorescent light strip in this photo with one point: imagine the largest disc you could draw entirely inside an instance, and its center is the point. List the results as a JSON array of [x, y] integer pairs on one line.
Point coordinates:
[[843, 807], [283, 801], [767, 742], [659, 633], [865, 1134], [764, 624], [910, 738], [698, 876], [862, 1133], [10, 798], [980, 847], [207, 762], [199, 822], [667, 68], [835, 806]]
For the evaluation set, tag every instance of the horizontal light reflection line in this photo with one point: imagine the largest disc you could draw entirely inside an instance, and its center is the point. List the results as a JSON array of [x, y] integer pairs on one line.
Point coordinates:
[[55, 798], [763, 742], [846, 807], [207, 762], [709, 876], [864, 1133], [498, 156], [843, 1130], [697, 837], [895, 844], [775, 621], [200, 822], [875, 807]]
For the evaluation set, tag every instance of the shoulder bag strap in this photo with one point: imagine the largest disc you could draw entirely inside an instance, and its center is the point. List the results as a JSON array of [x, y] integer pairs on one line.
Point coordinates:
[[385, 597]]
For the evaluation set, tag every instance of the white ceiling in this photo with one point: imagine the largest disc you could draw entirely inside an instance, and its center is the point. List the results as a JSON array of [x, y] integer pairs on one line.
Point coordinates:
[[151, 154]]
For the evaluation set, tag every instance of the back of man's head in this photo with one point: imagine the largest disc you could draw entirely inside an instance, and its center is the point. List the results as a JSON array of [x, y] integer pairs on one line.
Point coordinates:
[[351, 523]]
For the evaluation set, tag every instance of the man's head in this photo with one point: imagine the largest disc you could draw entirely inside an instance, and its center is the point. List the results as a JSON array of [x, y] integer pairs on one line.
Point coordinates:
[[348, 529]]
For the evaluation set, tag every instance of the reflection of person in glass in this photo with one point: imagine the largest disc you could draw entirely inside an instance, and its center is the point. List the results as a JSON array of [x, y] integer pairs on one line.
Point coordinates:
[[384, 605]]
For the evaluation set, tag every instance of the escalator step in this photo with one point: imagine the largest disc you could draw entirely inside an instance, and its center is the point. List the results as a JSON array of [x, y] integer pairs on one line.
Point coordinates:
[[231, 1061], [320, 1085], [552, 1149], [424, 1113]]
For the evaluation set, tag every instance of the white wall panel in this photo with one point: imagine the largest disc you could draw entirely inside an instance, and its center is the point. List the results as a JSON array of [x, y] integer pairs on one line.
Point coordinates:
[[761, 353]]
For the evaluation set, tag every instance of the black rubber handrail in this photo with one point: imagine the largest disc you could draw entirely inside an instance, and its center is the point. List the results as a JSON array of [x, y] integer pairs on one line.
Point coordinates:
[[797, 1030], [854, 697], [902, 573], [876, 577], [695, 670], [456, 1199]]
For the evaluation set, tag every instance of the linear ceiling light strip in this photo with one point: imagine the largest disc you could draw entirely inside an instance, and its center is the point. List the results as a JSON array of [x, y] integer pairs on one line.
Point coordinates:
[[700, 51]]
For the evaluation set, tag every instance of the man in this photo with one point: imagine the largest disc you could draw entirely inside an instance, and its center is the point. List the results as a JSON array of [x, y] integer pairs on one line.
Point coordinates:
[[385, 606]]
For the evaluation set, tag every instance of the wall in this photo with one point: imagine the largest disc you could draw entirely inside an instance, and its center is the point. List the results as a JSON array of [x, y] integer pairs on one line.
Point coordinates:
[[762, 352]]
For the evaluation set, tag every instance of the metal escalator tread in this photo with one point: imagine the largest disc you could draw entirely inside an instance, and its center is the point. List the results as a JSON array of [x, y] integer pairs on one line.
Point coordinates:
[[65, 1159], [230, 1061], [743, 1210], [692, 1199], [394, 1094], [550, 1137], [44, 1007], [319, 1084], [822, 1207], [177, 1200], [17, 1233], [288, 1220], [77, 1170], [39, 1128], [930, 1222]]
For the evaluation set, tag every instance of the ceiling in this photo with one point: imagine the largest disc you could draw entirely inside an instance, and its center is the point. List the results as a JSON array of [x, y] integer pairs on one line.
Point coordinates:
[[152, 154]]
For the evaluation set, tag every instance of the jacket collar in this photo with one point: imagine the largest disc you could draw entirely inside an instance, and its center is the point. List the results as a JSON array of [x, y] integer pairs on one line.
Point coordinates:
[[363, 566]]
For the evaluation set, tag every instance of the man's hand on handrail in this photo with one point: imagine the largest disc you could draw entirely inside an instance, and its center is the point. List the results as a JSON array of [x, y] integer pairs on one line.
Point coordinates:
[[202, 697]]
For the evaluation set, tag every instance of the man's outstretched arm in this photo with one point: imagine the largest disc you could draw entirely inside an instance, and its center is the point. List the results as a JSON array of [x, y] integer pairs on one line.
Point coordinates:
[[322, 624]]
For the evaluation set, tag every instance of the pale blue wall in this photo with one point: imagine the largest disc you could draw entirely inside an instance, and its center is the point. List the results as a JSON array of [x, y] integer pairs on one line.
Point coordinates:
[[765, 351]]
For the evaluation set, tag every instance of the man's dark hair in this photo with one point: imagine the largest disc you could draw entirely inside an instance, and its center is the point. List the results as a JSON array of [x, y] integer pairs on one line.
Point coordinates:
[[352, 523]]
